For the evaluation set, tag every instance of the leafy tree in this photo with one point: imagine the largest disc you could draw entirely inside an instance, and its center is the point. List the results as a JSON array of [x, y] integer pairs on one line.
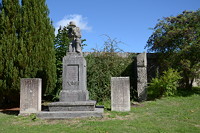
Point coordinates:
[[178, 39]]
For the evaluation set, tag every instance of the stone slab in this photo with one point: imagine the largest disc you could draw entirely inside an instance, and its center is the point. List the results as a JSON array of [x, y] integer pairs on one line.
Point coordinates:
[[72, 106], [142, 77], [98, 112], [142, 60], [30, 95], [74, 86], [120, 94], [74, 95]]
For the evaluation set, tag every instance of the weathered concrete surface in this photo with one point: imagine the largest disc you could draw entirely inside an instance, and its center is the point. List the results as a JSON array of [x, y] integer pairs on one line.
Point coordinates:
[[120, 94], [72, 106], [98, 112], [74, 79], [30, 95], [142, 77]]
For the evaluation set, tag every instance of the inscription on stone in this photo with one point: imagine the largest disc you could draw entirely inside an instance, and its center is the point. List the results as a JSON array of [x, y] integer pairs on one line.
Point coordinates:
[[73, 72], [71, 83]]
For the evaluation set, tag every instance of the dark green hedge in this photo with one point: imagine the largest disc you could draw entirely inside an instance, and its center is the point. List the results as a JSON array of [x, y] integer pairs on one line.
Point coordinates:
[[101, 67]]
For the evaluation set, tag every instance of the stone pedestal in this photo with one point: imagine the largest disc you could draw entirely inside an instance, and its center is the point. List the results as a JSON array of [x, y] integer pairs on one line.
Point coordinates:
[[30, 95], [74, 97], [120, 94], [142, 77], [74, 79]]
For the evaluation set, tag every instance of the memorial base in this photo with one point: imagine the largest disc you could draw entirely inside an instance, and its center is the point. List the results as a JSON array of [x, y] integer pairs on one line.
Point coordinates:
[[72, 106], [57, 115], [74, 95], [67, 110]]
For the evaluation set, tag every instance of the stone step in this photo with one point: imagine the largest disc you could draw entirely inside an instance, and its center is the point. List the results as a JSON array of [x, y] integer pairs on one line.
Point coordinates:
[[72, 106], [98, 112]]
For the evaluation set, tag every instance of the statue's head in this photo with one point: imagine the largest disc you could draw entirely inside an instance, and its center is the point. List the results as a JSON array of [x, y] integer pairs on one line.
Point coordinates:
[[72, 23]]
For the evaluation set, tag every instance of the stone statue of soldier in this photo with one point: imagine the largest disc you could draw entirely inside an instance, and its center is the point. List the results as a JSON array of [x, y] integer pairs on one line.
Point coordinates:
[[75, 35]]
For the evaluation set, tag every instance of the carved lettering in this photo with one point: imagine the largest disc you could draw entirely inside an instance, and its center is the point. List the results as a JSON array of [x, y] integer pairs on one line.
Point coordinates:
[[73, 83], [73, 73]]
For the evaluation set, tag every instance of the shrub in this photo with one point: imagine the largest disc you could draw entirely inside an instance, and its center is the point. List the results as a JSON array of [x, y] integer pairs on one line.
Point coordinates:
[[100, 68], [165, 85]]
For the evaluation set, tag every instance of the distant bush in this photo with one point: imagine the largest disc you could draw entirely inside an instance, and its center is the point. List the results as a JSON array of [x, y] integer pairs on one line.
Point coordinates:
[[165, 85], [100, 68]]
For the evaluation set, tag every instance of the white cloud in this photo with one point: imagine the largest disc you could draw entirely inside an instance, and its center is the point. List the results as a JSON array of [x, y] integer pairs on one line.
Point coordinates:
[[80, 21]]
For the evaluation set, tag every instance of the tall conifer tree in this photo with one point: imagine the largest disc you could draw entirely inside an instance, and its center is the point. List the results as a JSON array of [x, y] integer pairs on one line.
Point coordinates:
[[37, 43], [26, 46], [9, 23]]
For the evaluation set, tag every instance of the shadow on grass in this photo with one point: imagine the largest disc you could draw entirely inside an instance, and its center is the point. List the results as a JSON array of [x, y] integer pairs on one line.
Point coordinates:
[[186, 93], [10, 111], [15, 110], [180, 92]]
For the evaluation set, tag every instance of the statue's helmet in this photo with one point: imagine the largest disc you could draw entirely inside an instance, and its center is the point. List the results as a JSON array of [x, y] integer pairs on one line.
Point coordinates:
[[72, 23]]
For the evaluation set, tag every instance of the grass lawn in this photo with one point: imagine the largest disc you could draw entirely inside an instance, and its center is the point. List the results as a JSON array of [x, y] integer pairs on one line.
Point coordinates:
[[166, 115]]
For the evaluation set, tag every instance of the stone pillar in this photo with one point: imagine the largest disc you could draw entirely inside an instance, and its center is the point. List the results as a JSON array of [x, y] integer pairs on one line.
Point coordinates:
[[142, 76], [120, 94], [74, 79], [30, 95]]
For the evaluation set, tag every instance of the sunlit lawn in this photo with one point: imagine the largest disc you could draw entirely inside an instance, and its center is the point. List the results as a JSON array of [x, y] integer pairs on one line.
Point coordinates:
[[173, 114]]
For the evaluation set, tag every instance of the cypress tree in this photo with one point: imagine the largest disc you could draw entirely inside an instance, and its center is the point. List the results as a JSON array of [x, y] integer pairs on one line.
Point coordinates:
[[37, 55], [9, 23], [26, 46]]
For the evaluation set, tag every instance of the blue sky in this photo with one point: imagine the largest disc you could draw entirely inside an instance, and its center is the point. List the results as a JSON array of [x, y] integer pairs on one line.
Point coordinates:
[[126, 20]]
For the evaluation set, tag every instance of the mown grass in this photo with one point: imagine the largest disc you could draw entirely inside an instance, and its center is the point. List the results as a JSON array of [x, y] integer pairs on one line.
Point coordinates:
[[166, 115]]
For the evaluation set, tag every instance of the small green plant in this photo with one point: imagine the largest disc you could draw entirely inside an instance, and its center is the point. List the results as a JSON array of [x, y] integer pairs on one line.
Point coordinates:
[[166, 85], [33, 117]]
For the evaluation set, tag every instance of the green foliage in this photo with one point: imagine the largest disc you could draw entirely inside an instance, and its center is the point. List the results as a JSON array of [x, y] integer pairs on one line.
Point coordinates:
[[37, 46], [179, 39], [100, 68], [165, 85], [61, 47], [106, 104], [9, 74], [26, 46], [104, 64]]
